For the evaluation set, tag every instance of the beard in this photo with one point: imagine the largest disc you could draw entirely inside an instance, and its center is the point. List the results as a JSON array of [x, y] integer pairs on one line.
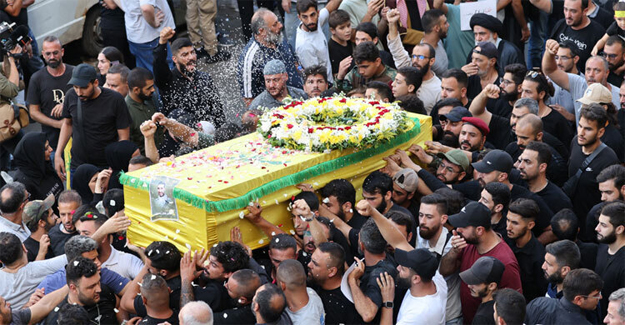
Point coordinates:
[[311, 27], [403, 283], [53, 64], [609, 239], [144, 96], [274, 39], [183, 68], [466, 145], [555, 278], [511, 96], [428, 233], [450, 139], [382, 207], [424, 69]]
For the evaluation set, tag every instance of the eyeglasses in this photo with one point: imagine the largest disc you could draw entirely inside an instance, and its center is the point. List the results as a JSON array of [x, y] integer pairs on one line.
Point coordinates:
[[597, 296], [447, 168], [506, 82], [563, 57], [610, 56], [420, 57]]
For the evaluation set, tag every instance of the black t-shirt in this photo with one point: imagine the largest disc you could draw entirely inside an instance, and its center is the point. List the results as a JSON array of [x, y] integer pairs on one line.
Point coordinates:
[[369, 284], [174, 297], [615, 79], [611, 268], [500, 107], [33, 249], [604, 18], [338, 52], [474, 87], [585, 38], [587, 191], [500, 134], [556, 198], [545, 214], [556, 170], [558, 126], [470, 189], [239, 315], [592, 220], [339, 310], [614, 139], [112, 19], [48, 91], [173, 320], [415, 221], [213, 294], [588, 252], [58, 239], [101, 118], [102, 312], [531, 258], [484, 314]]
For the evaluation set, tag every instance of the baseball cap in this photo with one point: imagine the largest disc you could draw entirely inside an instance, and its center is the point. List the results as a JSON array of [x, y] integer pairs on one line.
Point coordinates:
[[34, 210], [82, 75], [421, 260], [274, 67], [486, 269], [456, 157], [456, 114], [498, 160], [487, 49], [596, 93], [474, 214], [478, 123], [406, 179]]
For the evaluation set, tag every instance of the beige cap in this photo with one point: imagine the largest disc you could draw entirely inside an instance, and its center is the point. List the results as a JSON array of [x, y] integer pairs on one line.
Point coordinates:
[[596, 94]]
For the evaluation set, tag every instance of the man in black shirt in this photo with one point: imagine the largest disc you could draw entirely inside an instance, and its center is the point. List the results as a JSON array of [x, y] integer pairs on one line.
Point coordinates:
[[564, 225], [488, 28], [47, 89], [528, 251], [483, 280], [614, 50], [534, 164], [69, 201], [510, 90], [496, 197], [185, 87], [241, 286], [583, 190], [39, 218], [611, 254], [93, 117], [580, 29], [404, 188], [155, 296], [482, 70], [612, 187]]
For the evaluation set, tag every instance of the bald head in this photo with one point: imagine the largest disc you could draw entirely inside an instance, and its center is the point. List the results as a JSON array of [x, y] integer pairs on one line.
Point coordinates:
[[292, 274], [533, 121], [245, 283], [154, 291], [196, 313]]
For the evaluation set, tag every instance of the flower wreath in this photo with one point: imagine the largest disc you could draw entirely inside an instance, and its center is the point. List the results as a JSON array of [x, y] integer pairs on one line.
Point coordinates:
[[324, 124]]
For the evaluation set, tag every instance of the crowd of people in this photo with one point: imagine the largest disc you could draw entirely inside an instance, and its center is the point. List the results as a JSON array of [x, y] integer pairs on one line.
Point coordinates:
[[513, 214]]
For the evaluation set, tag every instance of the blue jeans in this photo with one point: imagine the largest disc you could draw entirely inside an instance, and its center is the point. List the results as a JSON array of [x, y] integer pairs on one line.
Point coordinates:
[[455, 321], [144, 56], [291, 23], [538, 37]]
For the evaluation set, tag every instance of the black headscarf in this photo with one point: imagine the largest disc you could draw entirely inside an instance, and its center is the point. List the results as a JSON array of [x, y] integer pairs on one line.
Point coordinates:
[[118, 155], [80, 181], [29, 157]]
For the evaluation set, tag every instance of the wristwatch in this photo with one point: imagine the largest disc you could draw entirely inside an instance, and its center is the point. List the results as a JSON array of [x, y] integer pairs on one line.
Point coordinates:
[[387, 304]]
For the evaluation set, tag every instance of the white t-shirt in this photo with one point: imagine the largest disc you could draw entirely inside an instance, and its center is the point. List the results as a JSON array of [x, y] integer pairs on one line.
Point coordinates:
[[124, 264], [430, 93], [428, 310], [312, 313], [137, 28], [312, 47]]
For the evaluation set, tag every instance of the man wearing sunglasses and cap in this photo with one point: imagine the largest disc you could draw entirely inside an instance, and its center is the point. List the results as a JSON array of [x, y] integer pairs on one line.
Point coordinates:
[[39, 218]]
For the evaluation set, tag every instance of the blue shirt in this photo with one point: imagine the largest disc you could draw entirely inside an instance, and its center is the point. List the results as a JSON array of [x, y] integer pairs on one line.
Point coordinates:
[[252, 62], [109, 278]]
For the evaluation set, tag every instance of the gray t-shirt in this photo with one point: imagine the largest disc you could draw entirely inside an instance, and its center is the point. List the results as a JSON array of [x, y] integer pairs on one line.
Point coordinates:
[[312, 313], [20, 316], [577, 88]]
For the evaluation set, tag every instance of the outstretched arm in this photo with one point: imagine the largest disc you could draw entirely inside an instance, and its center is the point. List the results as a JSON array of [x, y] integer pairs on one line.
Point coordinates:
[[388, 230]]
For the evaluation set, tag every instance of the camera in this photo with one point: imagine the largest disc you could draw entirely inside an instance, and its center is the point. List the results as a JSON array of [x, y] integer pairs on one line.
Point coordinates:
[[10, 37]]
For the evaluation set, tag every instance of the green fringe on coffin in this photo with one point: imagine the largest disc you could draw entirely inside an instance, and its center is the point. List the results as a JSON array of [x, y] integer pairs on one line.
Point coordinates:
[[280, 183]]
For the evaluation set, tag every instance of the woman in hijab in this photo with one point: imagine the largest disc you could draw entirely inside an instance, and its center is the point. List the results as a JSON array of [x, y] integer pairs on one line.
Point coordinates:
[[118, 155], [34, 169], [85, 182]]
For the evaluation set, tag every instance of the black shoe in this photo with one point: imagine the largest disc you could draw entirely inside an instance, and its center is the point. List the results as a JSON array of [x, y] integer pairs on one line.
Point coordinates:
[[201, 53], [219, 56]]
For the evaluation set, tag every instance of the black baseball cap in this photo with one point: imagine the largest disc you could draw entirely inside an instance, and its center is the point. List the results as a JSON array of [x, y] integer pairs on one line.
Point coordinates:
[[82, 75], [420, 260], [474, 214], [498, 160], [486, 269], [456, 114]]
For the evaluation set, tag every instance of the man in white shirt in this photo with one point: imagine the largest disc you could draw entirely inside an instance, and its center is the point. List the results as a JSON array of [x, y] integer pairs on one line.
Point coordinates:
[[13, 199], [303, 304], [311, 45]]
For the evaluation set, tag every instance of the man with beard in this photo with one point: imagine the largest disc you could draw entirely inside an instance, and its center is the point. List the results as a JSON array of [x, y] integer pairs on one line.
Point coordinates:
[[565, 226], [423, 58], [486, 28], [325, 271], [47, 88], [473, 134], [311, 45], [496, 197], [596, 72], [276, 89], [510, 90], [599, 95], [482, 70], [141, 104], [315, 81], [83, 280], [266, 44], [611, 252], [68, 202], [405, 183], [483, 280], [472, 239], [612, 187], [185, 87], [241, 287], [528, 251], [614, 53], [39, 218], [582, 185], [451, 122], [87, 106], [534, 164], [561, 257]]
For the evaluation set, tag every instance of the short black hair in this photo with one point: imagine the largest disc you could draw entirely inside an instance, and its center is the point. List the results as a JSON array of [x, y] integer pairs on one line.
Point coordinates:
[[526, 208], [10, 248], [543, 84], [570, 46], [231, 255], [70, 196], [113, 54], [510, 305], [16, 197], [283, 242], [73, 314], [342, 189], [337, 255], [615, 39], [411, 103], [412, 75], [543, 151], [378, 183], [459, 75], [581, 282], [366, 51], [140, 160], [500, 193], [80, 267], [138, 77], [518, 71], [455, 199], [304, 5], [311, 199], [248, 282], [431, 50], [269, 310], [180, 43], [113, 200], [317, 69], [595, 112], [430, 19], [436, 199], [164, 255], [401, 219], [616, 173], [383, 89], [615, 211], [337, 18], [371, 237], [368, 27], [566, 253], [88, 212], [564, 224]]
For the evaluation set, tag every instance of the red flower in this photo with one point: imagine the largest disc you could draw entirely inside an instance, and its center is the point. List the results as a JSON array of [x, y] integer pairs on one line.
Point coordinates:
[[290, 126], [311, 130], [343, 100], [348, 128]]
